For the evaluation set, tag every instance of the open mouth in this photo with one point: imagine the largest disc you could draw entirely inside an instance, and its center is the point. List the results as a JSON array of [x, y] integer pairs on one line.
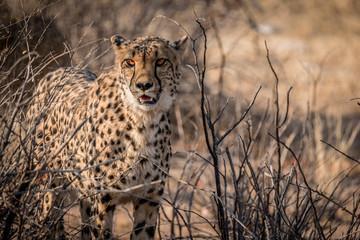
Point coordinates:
[[144, 99]]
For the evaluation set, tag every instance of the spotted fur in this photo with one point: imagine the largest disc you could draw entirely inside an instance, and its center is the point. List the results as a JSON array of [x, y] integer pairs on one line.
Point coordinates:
[[112, 132]]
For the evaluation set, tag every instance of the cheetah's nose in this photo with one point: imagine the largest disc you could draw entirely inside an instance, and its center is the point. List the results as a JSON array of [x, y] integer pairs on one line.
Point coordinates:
[[144, 86]]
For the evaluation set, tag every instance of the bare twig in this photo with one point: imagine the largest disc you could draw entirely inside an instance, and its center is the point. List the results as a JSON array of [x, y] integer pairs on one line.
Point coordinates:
[[344, 154]]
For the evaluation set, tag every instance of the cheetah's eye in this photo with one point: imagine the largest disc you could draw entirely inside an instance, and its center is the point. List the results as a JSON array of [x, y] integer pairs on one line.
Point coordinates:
[[130, 62], [160, 62]]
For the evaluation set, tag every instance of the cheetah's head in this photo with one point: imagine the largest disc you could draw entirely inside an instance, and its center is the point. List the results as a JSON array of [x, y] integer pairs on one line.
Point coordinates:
[[149, 70]]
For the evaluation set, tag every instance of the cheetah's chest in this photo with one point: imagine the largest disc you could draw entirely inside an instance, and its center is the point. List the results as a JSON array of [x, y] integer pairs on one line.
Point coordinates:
[[127, 158]]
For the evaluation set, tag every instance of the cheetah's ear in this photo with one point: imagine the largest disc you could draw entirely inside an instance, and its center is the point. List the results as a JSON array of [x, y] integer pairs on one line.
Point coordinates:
[[179, 44], [117, 40]]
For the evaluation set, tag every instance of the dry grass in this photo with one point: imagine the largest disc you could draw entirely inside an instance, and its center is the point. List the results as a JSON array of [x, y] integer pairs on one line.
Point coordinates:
[[279, 175]]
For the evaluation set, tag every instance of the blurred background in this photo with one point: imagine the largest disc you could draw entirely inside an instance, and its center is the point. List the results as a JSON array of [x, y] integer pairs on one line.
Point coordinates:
[[314, 47], [309, 41]]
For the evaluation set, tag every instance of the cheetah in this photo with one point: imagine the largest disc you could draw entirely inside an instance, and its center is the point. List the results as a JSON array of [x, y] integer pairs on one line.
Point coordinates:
[[106, 139]]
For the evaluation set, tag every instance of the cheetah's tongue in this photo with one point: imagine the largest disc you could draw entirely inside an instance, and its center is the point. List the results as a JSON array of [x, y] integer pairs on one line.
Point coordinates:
[[145, 98]]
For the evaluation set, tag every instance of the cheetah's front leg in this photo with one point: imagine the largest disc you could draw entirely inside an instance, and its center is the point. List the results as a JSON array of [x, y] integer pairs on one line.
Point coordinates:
[[86, 211], [52, 211], [104, 214], [145, 215], [52, 216]]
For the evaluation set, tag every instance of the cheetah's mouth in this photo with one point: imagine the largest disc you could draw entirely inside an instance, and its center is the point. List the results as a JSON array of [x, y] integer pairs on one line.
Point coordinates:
[[145, 99]]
